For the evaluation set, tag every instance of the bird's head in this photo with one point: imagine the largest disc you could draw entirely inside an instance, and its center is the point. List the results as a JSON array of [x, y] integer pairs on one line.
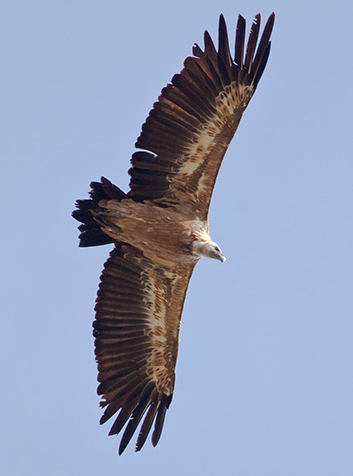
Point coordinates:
[[208, 249]]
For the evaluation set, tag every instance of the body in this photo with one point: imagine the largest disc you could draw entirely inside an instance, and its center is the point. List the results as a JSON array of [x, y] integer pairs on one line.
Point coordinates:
[[172, 236]]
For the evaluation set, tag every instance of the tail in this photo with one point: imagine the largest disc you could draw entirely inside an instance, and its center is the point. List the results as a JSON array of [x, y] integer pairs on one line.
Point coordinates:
[[91, 233]]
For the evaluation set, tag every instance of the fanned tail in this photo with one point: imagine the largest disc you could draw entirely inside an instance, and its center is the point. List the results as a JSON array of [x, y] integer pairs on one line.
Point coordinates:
[[91, 233]]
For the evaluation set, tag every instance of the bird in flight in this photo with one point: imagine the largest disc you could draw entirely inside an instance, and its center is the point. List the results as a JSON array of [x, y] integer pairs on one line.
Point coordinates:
[[160, 227]]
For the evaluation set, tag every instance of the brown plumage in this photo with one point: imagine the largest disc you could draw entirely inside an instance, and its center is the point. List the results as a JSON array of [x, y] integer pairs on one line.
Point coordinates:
[[160, 227]]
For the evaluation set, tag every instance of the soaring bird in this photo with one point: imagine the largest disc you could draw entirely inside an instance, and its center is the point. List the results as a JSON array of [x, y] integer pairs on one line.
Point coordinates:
[[160, 228]]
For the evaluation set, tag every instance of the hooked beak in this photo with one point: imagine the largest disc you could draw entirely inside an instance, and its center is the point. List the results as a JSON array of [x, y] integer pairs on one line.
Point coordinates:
[[219, 255]]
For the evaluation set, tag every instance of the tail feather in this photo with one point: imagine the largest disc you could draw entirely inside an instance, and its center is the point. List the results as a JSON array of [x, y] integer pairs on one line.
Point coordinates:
[[91, 233]]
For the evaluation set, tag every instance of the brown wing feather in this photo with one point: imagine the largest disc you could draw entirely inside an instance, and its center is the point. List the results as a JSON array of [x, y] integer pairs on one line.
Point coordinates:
[[190, 127], [138, 314]]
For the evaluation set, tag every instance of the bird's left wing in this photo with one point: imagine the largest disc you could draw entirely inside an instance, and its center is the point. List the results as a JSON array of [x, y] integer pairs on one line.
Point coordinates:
[[191, 126], [138, 313]]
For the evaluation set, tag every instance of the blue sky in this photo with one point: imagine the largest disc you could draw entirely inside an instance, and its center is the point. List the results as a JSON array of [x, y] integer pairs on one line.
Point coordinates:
[[264, 377]]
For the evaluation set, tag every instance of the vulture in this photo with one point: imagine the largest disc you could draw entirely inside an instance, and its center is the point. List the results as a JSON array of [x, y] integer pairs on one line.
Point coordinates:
[[160, 228]]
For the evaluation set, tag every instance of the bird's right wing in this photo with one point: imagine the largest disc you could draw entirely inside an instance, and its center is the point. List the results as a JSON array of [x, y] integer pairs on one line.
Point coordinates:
[[138, 313]]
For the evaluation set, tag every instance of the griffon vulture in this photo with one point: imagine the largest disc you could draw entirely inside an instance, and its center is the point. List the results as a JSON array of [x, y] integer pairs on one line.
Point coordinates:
[[160, 227]]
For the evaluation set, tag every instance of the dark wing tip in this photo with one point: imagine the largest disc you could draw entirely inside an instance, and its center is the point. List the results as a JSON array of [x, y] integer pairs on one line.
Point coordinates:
[[157, 405], [239, 41], [222, 22], [222, 35], [270, 22], [263, 50], [197, 51], [136, 416], [146, 425], [158, 427]]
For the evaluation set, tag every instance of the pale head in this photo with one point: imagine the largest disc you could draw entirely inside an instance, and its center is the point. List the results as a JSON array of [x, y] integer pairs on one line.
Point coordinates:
[[208, 249]]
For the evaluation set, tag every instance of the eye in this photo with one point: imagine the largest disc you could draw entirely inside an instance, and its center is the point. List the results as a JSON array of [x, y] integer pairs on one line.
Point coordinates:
[[217, 249]]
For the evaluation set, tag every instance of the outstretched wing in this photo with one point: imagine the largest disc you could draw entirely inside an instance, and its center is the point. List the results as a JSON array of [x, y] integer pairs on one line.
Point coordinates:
[[138, 312], [191, 126]]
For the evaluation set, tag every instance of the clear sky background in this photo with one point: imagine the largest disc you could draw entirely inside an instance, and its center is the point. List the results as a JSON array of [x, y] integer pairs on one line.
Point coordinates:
[[264, 377]]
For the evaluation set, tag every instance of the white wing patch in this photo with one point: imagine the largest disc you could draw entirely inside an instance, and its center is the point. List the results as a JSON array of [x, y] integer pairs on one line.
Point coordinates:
[[230, 104], [160, 362], [233, 97]]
